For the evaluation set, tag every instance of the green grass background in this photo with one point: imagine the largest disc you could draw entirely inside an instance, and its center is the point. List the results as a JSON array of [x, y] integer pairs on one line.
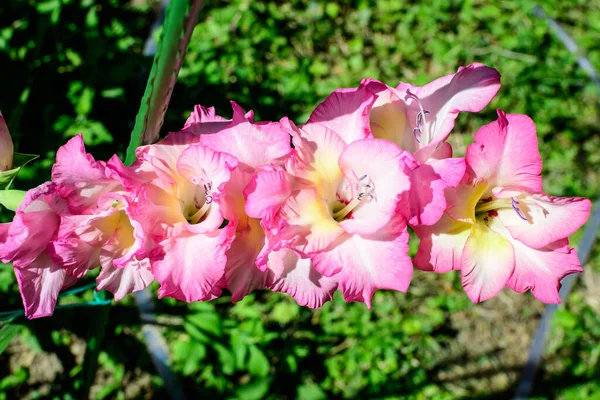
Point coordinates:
[[70, 66]]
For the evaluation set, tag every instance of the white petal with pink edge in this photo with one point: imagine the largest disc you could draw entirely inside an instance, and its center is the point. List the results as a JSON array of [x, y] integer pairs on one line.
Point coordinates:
[[364, 264], [290, 273]]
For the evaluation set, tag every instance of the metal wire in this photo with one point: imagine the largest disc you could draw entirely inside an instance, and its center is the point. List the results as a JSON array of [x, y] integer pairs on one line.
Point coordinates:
[[586, 244]]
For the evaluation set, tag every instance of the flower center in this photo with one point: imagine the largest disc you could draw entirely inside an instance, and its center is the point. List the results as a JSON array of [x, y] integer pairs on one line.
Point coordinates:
[[366, 192], [420, 128], [202, 209], [490, 205]]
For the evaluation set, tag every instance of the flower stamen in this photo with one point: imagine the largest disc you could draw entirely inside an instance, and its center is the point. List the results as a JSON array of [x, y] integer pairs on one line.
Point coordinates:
[[208, 199], [421, 122], [498, 204], [366, 190], [515, 206]]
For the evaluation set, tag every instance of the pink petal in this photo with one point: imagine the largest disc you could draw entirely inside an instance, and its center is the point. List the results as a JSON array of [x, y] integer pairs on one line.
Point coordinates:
[[433, 151], [442, 245], [75, 256], [131, 177], [252, 144], [205, 121], [201, 165], [233, 204], [161, 158], [41, 198], [364, 264], [81, 238], [39, 283], [307, 223], [387, 168], [428, 183], [505, 153], [266, 193], [129, 242], [134, 276], [213, 171], [241, 274], [470, 89], [189, 266], [296, 276], [34, 225], [549, 219], [28, 236], [541, 270], [239, 116], [487, 262], [79, 178], [315, 156], [157, 211], [389, 117], [4, 228], [346, 112], [93, 229]]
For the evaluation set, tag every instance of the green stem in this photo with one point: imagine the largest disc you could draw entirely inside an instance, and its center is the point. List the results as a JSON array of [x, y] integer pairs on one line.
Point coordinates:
[[180, 19]]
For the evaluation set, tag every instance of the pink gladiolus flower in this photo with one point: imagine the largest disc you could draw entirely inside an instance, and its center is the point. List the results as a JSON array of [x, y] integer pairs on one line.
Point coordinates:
[[98, 230], [6, 146], [500, 229], [24, 242], [255, 145], [419, 120], [337, 203], [181, 210]]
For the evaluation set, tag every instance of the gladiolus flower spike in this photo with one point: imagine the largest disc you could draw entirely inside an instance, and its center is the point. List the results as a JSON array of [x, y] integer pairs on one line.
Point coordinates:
[[237, 205]]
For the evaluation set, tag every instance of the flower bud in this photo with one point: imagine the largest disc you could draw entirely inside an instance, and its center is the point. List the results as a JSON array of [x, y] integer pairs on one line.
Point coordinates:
[[6, 146]]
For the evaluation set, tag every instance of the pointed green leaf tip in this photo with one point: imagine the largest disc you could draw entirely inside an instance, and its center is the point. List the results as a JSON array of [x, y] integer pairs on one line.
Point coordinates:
[[180, 19], [11, 199], [19, 161]]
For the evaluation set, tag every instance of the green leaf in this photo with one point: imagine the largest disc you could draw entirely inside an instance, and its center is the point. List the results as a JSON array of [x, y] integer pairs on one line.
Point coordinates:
[[196, 333], [94, 132], [285, 312], [85, 101], [258, 363], [113, 93], [240, 349], [226, 359], [48, 6], [17, 378], [7, 334], [254, 390], [11, 199], [91, 18], [208, 322], [180, 20], [19, 161], [189, 355], [311, 392]]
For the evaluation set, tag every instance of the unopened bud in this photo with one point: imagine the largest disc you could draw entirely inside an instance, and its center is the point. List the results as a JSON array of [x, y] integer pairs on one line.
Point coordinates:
[[6, 146]]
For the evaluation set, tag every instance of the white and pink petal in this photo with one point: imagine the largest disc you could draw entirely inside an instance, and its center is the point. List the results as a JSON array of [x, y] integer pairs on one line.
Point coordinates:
[[189, 266], [289, 273], [543, 219], [487, 262], [40, 283], [363, 264]]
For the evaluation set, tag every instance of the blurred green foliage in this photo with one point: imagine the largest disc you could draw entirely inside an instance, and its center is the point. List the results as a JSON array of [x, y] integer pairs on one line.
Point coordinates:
[[72, 66]]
